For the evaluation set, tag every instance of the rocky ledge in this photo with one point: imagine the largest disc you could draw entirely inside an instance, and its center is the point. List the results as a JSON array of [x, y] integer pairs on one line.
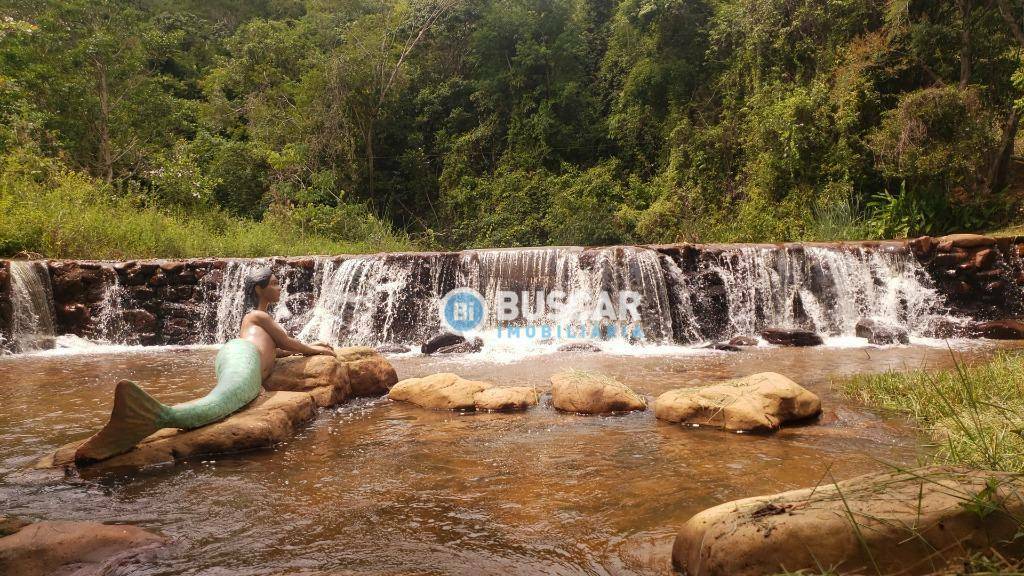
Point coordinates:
[[900, 522], [79, 548], [298, 386]]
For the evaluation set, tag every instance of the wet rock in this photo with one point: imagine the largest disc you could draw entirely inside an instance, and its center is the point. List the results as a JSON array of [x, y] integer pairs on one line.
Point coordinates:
[[326, 375], [79, 548], [984, 258], [999, 330], [393, 349], [268, 420], [589, 393], [579, 347], [791, 337], [444, 391], [914, 522], [369, 373], [440, 341], [947, 243], [465, 347], [722, 347], [923, 246], [881, 333], [949, 328], [140, 321], [950, 259], [506, 398], [743, 341], [758, 403]]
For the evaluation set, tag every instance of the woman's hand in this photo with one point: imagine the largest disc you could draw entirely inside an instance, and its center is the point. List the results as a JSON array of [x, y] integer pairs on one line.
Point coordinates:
[[320, 349]]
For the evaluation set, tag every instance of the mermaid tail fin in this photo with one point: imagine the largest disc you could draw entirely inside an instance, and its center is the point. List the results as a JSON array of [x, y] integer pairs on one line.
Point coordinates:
[[135, 416]]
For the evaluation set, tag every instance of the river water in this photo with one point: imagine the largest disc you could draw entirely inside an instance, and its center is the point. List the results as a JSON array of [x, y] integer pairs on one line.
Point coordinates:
[[377, 487]]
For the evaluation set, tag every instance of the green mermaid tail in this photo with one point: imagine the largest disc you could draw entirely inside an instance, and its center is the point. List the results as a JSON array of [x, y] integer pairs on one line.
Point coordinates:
[[136, 414]]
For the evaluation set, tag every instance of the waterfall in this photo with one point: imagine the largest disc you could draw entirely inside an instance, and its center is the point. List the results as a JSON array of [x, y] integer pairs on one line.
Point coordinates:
[[110, 325], [32, 323], [826, 290]]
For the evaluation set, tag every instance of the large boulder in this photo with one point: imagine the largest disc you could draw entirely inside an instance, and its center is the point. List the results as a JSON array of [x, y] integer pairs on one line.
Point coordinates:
[[791, 337], [324, 375], [902, 522], [271, 418], [999, 330], [589, 393], [881, 333], [78, 548], [369, 373], [447, 391], [761, 402]]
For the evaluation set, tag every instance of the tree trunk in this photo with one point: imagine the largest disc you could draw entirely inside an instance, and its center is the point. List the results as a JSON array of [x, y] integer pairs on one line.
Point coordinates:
[[999, 170], [964, 7], [103, 123]]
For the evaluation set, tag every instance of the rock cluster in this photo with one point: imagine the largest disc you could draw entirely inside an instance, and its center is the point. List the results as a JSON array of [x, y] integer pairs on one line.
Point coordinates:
[[758, 403], [56, 547], [448, 391], [900, 522], [980, 275], [298, 386], [589, 393]]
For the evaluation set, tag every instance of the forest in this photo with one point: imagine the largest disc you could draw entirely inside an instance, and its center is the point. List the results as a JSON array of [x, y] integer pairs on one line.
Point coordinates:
[[234, 127]]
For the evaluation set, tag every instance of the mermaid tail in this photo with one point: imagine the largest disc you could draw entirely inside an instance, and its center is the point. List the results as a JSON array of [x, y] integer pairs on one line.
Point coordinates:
[[136, 414]]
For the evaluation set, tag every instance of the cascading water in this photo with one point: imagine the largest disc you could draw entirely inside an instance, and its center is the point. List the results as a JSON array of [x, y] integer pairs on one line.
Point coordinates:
[[32, 323]]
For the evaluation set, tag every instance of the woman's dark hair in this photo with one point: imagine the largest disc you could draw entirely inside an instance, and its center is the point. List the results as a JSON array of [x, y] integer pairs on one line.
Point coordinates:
[[258, 277]]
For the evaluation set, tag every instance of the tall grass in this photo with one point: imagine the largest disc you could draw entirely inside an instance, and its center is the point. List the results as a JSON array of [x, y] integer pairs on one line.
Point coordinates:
[[65, 214], [974, 413]]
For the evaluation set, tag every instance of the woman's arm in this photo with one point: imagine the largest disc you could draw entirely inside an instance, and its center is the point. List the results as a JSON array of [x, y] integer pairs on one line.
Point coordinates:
[[285, 342]]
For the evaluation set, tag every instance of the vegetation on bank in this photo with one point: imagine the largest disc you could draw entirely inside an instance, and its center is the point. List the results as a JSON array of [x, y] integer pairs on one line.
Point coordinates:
[[974, 413], [511, 122]]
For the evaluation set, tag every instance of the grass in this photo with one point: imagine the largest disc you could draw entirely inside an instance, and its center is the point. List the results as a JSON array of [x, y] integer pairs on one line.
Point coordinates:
[[973, 413], [66, 214]]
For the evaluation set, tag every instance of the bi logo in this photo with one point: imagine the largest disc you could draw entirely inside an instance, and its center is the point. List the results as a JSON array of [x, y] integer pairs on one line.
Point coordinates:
[[462, 310]]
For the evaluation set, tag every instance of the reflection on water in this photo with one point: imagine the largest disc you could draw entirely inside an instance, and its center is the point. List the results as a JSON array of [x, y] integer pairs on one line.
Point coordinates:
[[377, 487]]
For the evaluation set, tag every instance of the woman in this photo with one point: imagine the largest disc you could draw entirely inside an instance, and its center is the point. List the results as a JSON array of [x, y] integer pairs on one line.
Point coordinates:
[[241, 366]]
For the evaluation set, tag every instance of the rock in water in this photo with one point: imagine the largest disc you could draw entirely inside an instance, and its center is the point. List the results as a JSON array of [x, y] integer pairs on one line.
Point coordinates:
[[914, 522], [464, 347], [791, 337], [588, 393], [743, 341], [761, 402], [722, 347], [81, 548], [579, 347], [881, 333], [369, 374], [999, 330], [448, 391], [440, 341], [444, 391], [506, 398], [393, 349]]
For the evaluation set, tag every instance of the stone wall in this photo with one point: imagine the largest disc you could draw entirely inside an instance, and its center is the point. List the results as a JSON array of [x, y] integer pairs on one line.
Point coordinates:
[[174, 301]]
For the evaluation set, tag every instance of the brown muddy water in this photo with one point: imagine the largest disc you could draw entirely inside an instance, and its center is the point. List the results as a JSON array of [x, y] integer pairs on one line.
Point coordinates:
[[377, 487]]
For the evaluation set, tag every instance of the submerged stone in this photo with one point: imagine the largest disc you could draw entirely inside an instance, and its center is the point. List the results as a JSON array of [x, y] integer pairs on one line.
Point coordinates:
[[881, 333], [80, 548], [791, 337]]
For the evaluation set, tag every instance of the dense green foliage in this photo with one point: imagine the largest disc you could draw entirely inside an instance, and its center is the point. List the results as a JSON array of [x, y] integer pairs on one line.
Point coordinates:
[[514, 122]]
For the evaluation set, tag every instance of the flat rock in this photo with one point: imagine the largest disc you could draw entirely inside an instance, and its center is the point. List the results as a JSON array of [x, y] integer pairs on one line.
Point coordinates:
[[444, 391], [506, 398], [758, 403], [588, 393], [743, 341], [579, 347], [268, 420], [369, 373], [914, 522], [66, 548], [881, 333], [946, 243], [393, 349], [791, 337], [999, 330], [464, 347]]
